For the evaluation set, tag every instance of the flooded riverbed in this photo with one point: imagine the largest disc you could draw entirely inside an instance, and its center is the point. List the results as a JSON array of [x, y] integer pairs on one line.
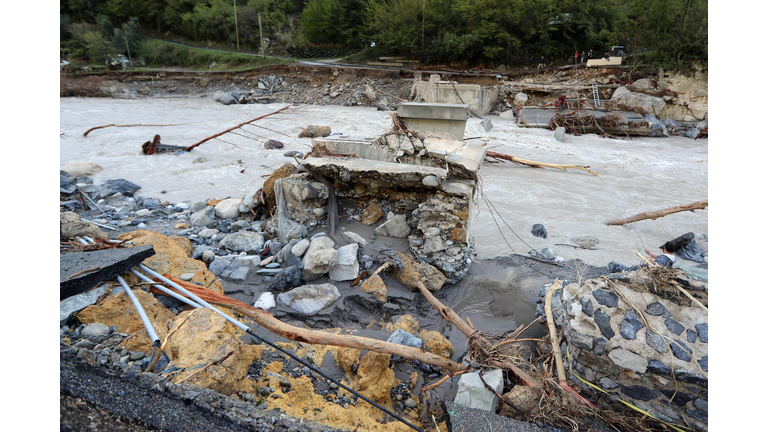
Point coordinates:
[[637, 175]]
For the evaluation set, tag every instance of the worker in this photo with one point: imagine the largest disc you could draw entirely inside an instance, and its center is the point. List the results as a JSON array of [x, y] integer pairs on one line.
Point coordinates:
[[667, 257], [560, 102], [541, 63]]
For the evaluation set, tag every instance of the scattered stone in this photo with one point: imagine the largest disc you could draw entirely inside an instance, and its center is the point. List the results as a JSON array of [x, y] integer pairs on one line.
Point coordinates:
[[120, 185], [691, 335], [372, 213], [680, 350], [314, 131], [703, 331], [395, 227], [354, 238], [657, 309], [603, 322], [658, 367], [402, 337], [203, 217], [412, 272], [655, 341], [586, 306], [309, 299], [273, 144], [524, 398], [605, 298], [639, 392], [289, 277], [599, 348], [243, 241], [435, 343], [614, 267], [94, 329], [586, 242], [674, 326], [318, 262], [539, 231], [374, 285], [628, 360], [582, 341], [228, 208], [299, 248], [72, 226], [346, 266]]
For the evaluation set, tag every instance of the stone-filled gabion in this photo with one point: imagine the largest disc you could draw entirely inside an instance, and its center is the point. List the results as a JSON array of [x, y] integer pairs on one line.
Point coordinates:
[[660, 367]]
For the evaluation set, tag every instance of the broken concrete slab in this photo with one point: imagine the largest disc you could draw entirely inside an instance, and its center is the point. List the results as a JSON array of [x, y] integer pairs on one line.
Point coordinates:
[[473, 394], [395, 227], [470, 156], [80, 271], [436, 91]]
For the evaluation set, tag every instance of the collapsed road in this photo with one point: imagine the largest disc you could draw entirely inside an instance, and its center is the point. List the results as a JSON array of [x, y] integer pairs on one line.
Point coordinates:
[[386, 216]]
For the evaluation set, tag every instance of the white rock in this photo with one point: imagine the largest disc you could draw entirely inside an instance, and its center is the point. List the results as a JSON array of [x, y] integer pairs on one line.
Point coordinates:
[[346, 267], [629, 360], [395, 227], [142, 212], [265, 302], [228, 208], [318, 262], [473, 394], [309, 299], [299, 248], [207, 233], [354, 238]]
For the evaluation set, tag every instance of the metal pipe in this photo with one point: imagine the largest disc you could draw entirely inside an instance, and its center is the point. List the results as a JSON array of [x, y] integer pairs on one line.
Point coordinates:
[[142, 314], [237, 323], [166, 290]]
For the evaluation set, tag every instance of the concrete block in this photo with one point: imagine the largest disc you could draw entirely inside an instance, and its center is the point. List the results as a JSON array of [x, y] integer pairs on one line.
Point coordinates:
[[611, 61], [560, 133], [473, 394], [433, 111]]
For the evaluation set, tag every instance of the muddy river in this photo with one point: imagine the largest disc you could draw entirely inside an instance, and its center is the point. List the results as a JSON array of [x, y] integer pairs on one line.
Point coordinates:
[[635, 175]]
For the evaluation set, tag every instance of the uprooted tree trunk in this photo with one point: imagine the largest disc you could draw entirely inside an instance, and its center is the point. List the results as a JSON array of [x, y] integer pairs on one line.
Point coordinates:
[[698, 205], [535, 164]]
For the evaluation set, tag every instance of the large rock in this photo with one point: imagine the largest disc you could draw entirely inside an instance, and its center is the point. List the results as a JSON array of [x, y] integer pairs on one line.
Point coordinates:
[[375, 378], [413, 272], [314, 131], [404, 322], [402, 337], [203, 217], [118, 310], [269, 186], [346, 267], [204, 336], [372, 213], [374, 285], [309, 299], [318, 263], [523, 397], [395, 227], [72, 226], [651, 104], [473, 394], [228, 209], [435, 343], [172, 256], [224, 98], [243, 241]]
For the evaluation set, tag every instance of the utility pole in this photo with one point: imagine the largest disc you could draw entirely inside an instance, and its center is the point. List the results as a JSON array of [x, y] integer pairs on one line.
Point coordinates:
[[237, 36], [129, 50], [261, 44]]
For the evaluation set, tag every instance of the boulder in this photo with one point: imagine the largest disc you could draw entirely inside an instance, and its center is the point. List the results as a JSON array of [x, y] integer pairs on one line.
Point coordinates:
[[346, 267], [269, 186], [273, 144], [314, 131], [204, 336], [539, 231], [404, 322], [413, 271], [228, 208], [299, 248], [72, 226], [374, 285], [375, 378], [318, 262], [309, 299], [203, 217], [402, 337], [520, 99], [651, 104], [354, 238], [395, 227], [289, 277], [244, 241], [120, 185], [473, 394], [524, 398], [224, 98], [172, 256], [372, 213], [435, 343]]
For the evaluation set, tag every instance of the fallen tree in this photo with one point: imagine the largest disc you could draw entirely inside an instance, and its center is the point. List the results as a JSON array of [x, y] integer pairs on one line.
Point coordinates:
[[233, 128], [698, 205]]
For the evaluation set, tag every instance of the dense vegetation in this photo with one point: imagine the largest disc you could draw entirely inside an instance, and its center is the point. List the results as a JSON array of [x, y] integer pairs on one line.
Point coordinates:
[[484, 33]]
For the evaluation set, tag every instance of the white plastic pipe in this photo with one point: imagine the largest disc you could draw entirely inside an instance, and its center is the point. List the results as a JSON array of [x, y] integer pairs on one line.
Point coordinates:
[[237, 323], [142, 314], [166, 290]]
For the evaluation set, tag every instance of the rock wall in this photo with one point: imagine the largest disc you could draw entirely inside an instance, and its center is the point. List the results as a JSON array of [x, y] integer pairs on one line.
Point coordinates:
[[654, 357]]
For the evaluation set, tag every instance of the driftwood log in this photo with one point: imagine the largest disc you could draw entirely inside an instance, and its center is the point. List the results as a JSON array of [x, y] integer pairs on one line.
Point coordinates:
[[448, 314], [698, 205], [535, 164], [134, 125], [233, 128], [298, 334]]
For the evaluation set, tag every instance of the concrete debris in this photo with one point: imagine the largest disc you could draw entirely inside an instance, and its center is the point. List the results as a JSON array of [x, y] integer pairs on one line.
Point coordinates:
[[473, 394]]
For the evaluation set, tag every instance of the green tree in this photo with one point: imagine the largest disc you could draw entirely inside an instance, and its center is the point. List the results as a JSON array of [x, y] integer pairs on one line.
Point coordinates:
[[97, 47]]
